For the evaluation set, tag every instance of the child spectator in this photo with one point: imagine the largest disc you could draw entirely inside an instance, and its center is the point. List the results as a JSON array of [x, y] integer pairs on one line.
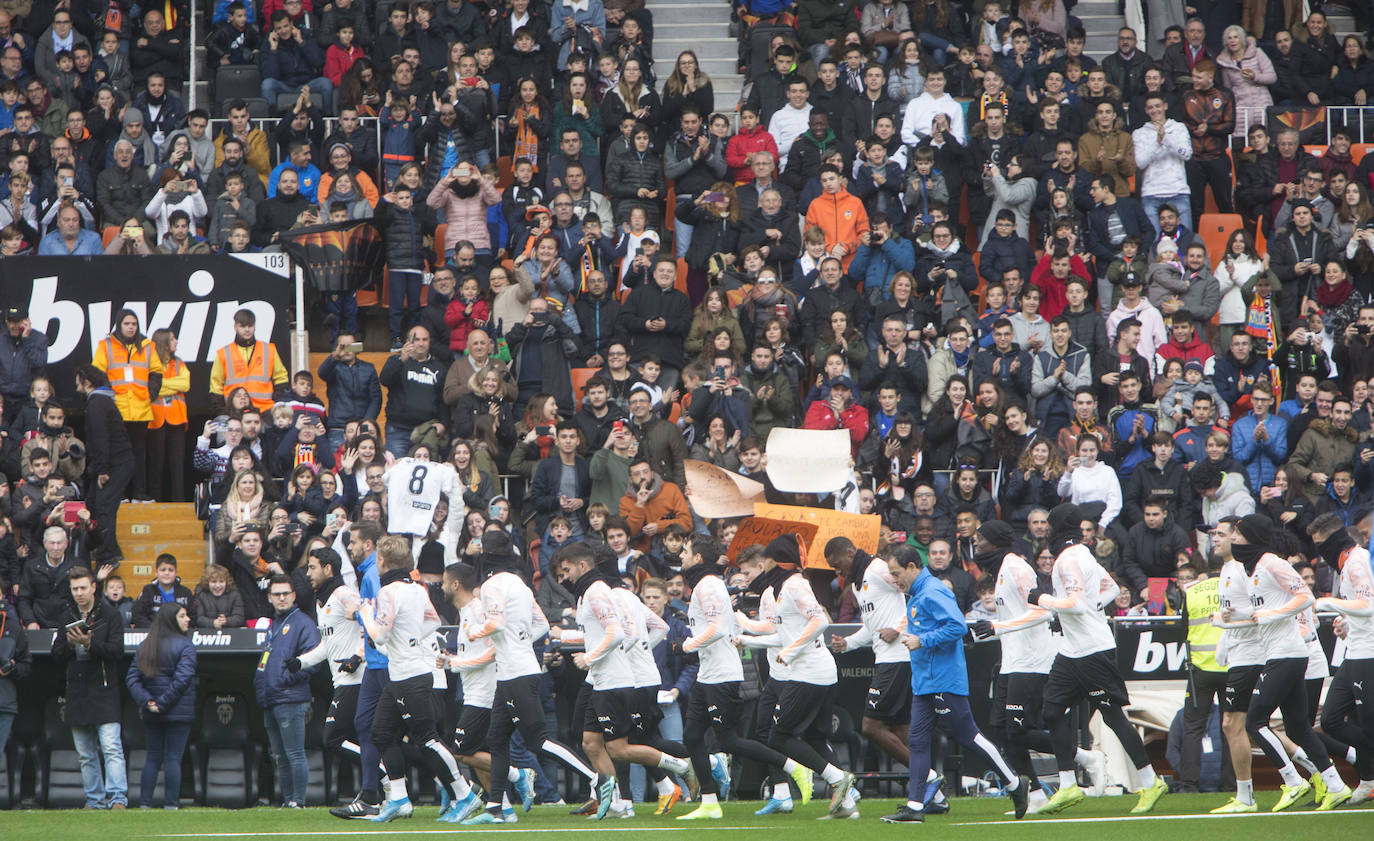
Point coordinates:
[[1178, 400], [1131, 262], [469, 310], [28, 416], [341, 54], [560, 534], [166, 587], [985, 600], [118, 599], [303, 398], [218, 604], [231, 207], [399, 125]]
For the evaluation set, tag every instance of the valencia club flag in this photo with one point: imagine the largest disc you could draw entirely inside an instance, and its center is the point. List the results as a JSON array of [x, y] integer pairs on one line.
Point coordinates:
[[338, 257]]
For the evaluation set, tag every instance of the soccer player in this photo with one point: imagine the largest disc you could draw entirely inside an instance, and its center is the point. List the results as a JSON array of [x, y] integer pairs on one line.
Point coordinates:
[[806, 690], [514, 622], [1277, 595], [714, 702], [341, 642], [882, 607], [1349, 711], [475, 663], [1028, 651], [1085, 667], [362, 551], [939, 683], [602, 632], [414, 486], [403, 622]]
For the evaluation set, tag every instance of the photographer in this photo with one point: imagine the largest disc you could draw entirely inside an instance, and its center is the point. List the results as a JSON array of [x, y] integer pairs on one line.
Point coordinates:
[[55, 438], [881, 257], [91, 647], [1354, 353]]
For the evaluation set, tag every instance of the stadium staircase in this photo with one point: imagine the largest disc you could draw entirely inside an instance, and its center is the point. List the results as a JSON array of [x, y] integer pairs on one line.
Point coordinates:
[[702, 26], [1101, 22], [147, 529]]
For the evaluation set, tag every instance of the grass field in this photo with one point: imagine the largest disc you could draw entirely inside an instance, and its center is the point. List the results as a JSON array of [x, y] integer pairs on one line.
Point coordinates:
[[1177, 816]]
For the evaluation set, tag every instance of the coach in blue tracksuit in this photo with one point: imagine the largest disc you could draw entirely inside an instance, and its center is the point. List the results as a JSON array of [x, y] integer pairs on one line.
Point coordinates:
[[939, 682]]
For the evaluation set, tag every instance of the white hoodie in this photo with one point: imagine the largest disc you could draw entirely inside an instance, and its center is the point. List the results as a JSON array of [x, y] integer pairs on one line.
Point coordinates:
[[1098, 483], [1161, 165]]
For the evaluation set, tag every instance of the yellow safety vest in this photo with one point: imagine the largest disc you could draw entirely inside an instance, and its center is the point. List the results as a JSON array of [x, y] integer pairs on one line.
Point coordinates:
[[1201, 600]]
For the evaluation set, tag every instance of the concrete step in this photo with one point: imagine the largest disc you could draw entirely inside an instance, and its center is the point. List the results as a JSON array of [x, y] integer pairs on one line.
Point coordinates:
[[147, 530]]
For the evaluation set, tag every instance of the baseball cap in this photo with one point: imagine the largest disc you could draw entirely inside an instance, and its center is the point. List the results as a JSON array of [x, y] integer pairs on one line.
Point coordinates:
[[16, 312]]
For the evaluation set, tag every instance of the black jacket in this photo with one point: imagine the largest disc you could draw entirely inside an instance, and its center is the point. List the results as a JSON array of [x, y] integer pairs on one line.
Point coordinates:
[[782, 253], [15, 641], [93, 676], [557, 350], [107, 442], [710, 234], [647, 302], [149, 602], [415, 391], [276, 215], [44, 594], [1133, 219], [598, 320], [1148, 553], [1170, 486]]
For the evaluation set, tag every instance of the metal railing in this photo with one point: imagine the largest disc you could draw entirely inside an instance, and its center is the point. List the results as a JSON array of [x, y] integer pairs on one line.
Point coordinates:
[[269, 124]]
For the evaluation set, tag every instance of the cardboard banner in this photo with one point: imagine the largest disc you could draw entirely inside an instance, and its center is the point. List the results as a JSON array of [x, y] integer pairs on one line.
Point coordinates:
[[713, 491], [860, 528], [73, 300], [763, 531], [808, 460]]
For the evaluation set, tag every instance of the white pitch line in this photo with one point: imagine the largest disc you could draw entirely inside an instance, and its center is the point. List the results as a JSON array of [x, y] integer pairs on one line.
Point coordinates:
[[444, 831], [1032, 821]]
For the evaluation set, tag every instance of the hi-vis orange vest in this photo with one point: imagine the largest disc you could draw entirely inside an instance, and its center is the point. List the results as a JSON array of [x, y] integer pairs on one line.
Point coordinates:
[[172, 408], [253, 374], [128, 373]]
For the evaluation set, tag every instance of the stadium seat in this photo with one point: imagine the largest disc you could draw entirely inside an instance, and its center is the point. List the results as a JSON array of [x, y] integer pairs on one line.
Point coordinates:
[[1215, 228], [9, 764], [258, 108], [579, 381], [440, 232], [59, 768], [1315, 151], [1358, 150], [223, 754], [237, 81], [135, 749]]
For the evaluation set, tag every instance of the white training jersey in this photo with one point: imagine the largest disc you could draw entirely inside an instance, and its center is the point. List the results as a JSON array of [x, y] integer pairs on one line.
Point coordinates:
[[882, 604], [1356, 603], [712, 622], [475, 660], [1317, 667], [643, 630], [1079, 582], [1242, 644], [1028, 647], [513, 624], [764, 631], [601, 630], [413, 488], [801, 629], [1277, 596], [407, 623], [341, 637]]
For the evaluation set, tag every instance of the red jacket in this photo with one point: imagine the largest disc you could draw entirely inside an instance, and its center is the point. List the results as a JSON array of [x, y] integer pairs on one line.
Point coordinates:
[[1052, 296], [460, 323], [744, 144], [854, 419], [1196, 349], [337, 60]]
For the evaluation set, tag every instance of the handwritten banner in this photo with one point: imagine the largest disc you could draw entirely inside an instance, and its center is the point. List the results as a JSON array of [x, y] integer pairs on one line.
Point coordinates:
[[862, 529], [763, 531], [716, 492]]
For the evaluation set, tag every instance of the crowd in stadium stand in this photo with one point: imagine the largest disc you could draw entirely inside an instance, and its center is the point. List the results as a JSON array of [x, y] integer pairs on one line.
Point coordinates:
[[939, 227]]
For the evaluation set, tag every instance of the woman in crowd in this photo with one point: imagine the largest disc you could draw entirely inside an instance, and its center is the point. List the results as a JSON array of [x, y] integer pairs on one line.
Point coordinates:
[[1033, 483], [687, 85], [167, 429], [711, 316]]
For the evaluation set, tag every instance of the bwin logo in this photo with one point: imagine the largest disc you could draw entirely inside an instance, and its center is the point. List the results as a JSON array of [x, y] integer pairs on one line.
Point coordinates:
[[1150, 655], [45, 307]]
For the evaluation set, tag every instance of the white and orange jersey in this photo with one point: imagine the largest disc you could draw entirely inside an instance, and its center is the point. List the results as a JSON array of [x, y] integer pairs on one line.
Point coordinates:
[[1355, 603], [801, 629], [341, 636], [765, 629], [475, 659], [513, 622], [1240, 641], [601, 630], [1317, 667], [405, 627], [643, 631], [1080, 585], [1028, 647], [1277, 595], [712, 621], [882, 604]]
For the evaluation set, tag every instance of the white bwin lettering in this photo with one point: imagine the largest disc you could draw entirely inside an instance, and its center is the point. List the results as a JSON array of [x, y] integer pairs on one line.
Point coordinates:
[[45, 307], [1150, 655]]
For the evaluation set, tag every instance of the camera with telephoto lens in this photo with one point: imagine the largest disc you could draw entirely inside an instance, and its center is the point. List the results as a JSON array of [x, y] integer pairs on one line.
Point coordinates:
[[75, 451]]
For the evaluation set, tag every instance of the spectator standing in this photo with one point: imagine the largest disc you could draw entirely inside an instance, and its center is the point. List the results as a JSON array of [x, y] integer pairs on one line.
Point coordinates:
[[127, 358], [283, 689], [167, 431], [415, 391], [15, 663], [109, 460], [91, 647], [249, 364], [1162, 149], [354, 390], [161, 681], [656, 316], [23, 355]]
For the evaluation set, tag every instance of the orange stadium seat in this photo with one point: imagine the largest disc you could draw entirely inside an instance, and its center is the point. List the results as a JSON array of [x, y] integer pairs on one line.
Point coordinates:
[[1215, 228]]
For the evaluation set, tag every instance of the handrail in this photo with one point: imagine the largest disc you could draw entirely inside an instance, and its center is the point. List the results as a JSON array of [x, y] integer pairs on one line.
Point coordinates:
[[193, 96]]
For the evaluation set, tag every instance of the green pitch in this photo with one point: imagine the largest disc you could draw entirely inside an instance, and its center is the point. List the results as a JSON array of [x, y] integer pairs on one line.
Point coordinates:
[[982, 819]]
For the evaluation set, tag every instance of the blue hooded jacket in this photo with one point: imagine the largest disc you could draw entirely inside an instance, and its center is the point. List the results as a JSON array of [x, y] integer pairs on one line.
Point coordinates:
[[369, 584], [933, 615]]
